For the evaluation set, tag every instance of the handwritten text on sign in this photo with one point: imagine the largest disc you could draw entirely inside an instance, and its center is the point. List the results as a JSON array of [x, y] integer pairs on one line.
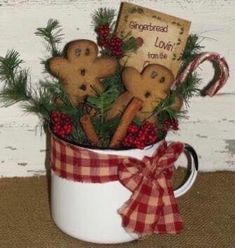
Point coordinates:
[[164, 36]]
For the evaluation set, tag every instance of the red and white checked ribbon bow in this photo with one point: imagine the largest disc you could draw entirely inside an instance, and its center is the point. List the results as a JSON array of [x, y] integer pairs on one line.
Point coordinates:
[[152, 208]]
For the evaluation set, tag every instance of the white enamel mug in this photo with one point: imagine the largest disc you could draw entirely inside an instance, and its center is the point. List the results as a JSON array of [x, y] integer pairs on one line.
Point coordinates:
[[88, 211]]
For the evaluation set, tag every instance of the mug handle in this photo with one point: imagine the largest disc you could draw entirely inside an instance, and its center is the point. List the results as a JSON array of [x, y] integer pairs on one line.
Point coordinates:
[[193, 163]]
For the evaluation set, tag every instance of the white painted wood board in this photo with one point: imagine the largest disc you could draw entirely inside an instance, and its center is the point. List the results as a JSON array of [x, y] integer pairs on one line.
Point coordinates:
[[210, 126]]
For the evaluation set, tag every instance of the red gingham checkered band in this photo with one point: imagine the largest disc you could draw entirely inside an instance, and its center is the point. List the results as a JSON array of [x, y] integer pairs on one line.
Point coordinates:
[[80, 164], [152, 208]]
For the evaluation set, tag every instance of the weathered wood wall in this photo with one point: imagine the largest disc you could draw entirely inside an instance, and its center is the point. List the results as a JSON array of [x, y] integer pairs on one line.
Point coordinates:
[[210, 126]]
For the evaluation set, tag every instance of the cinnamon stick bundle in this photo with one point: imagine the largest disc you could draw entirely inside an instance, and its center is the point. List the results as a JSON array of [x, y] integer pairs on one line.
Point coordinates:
[[127, 117], [89, 130]]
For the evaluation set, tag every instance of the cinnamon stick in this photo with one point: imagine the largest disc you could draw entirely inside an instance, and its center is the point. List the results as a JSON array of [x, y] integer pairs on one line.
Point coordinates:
[[89, 130], [127, 117]]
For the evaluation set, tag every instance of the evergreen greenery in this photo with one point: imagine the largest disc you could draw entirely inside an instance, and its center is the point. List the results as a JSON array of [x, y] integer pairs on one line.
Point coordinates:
[[50, 96], [15, 80], [52, 35], [189, 88], [39, 103], [114, 81], [9, 65], [192, 48], [17, 88], [103, 101], [129, 44], [103, 16], [186, 89], [56, 90]]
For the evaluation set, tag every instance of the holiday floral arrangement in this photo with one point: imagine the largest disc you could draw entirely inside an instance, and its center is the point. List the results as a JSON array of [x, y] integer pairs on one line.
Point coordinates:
[[122, 92], [105, 104]]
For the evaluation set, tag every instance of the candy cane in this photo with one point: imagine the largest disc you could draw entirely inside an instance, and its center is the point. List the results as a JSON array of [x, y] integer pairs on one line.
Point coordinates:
[[219, 80]]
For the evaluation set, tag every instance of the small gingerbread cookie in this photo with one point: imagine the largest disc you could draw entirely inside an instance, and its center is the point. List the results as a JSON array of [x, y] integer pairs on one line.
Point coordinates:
[[80, 70], [151, 86]]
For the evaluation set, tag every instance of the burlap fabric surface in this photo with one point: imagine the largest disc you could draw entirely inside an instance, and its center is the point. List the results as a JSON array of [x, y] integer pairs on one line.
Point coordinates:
[[208, 211]]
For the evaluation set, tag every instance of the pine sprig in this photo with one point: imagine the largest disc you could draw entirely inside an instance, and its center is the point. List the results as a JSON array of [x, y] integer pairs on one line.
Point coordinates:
[[114, 81], [189, 88], [185, 90], [192, 48], [40, 103], [129, 44], [49, 97], [103, 101], [103, 16], [17, 87], [15, 80], [16, 90], [53, 36], [109, 42], [113, 88], [56, 90], [164, 109], [9, 65]]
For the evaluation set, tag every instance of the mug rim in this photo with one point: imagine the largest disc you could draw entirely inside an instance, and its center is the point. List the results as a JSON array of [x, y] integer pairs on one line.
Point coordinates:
[[105, 149]]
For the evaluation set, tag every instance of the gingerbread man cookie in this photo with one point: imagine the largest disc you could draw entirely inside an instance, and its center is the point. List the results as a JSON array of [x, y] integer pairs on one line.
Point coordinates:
[[151, 86], [80, 70]]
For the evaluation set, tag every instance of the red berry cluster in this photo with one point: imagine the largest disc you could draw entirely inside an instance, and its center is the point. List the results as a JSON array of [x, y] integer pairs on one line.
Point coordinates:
[[103, 31], [139, 137], [110, 42], [61, 124], [170, 124], [115, 46], [103, 34]]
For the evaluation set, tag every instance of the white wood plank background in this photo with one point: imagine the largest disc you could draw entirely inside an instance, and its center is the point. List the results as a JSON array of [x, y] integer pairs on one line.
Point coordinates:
[[210, 126]]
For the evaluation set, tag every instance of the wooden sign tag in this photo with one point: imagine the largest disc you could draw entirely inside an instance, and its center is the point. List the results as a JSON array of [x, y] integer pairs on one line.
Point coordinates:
[[163, 37]]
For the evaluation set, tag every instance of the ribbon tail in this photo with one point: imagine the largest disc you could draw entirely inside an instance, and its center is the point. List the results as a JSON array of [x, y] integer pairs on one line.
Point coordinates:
[[142, 211], [170, 220]]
